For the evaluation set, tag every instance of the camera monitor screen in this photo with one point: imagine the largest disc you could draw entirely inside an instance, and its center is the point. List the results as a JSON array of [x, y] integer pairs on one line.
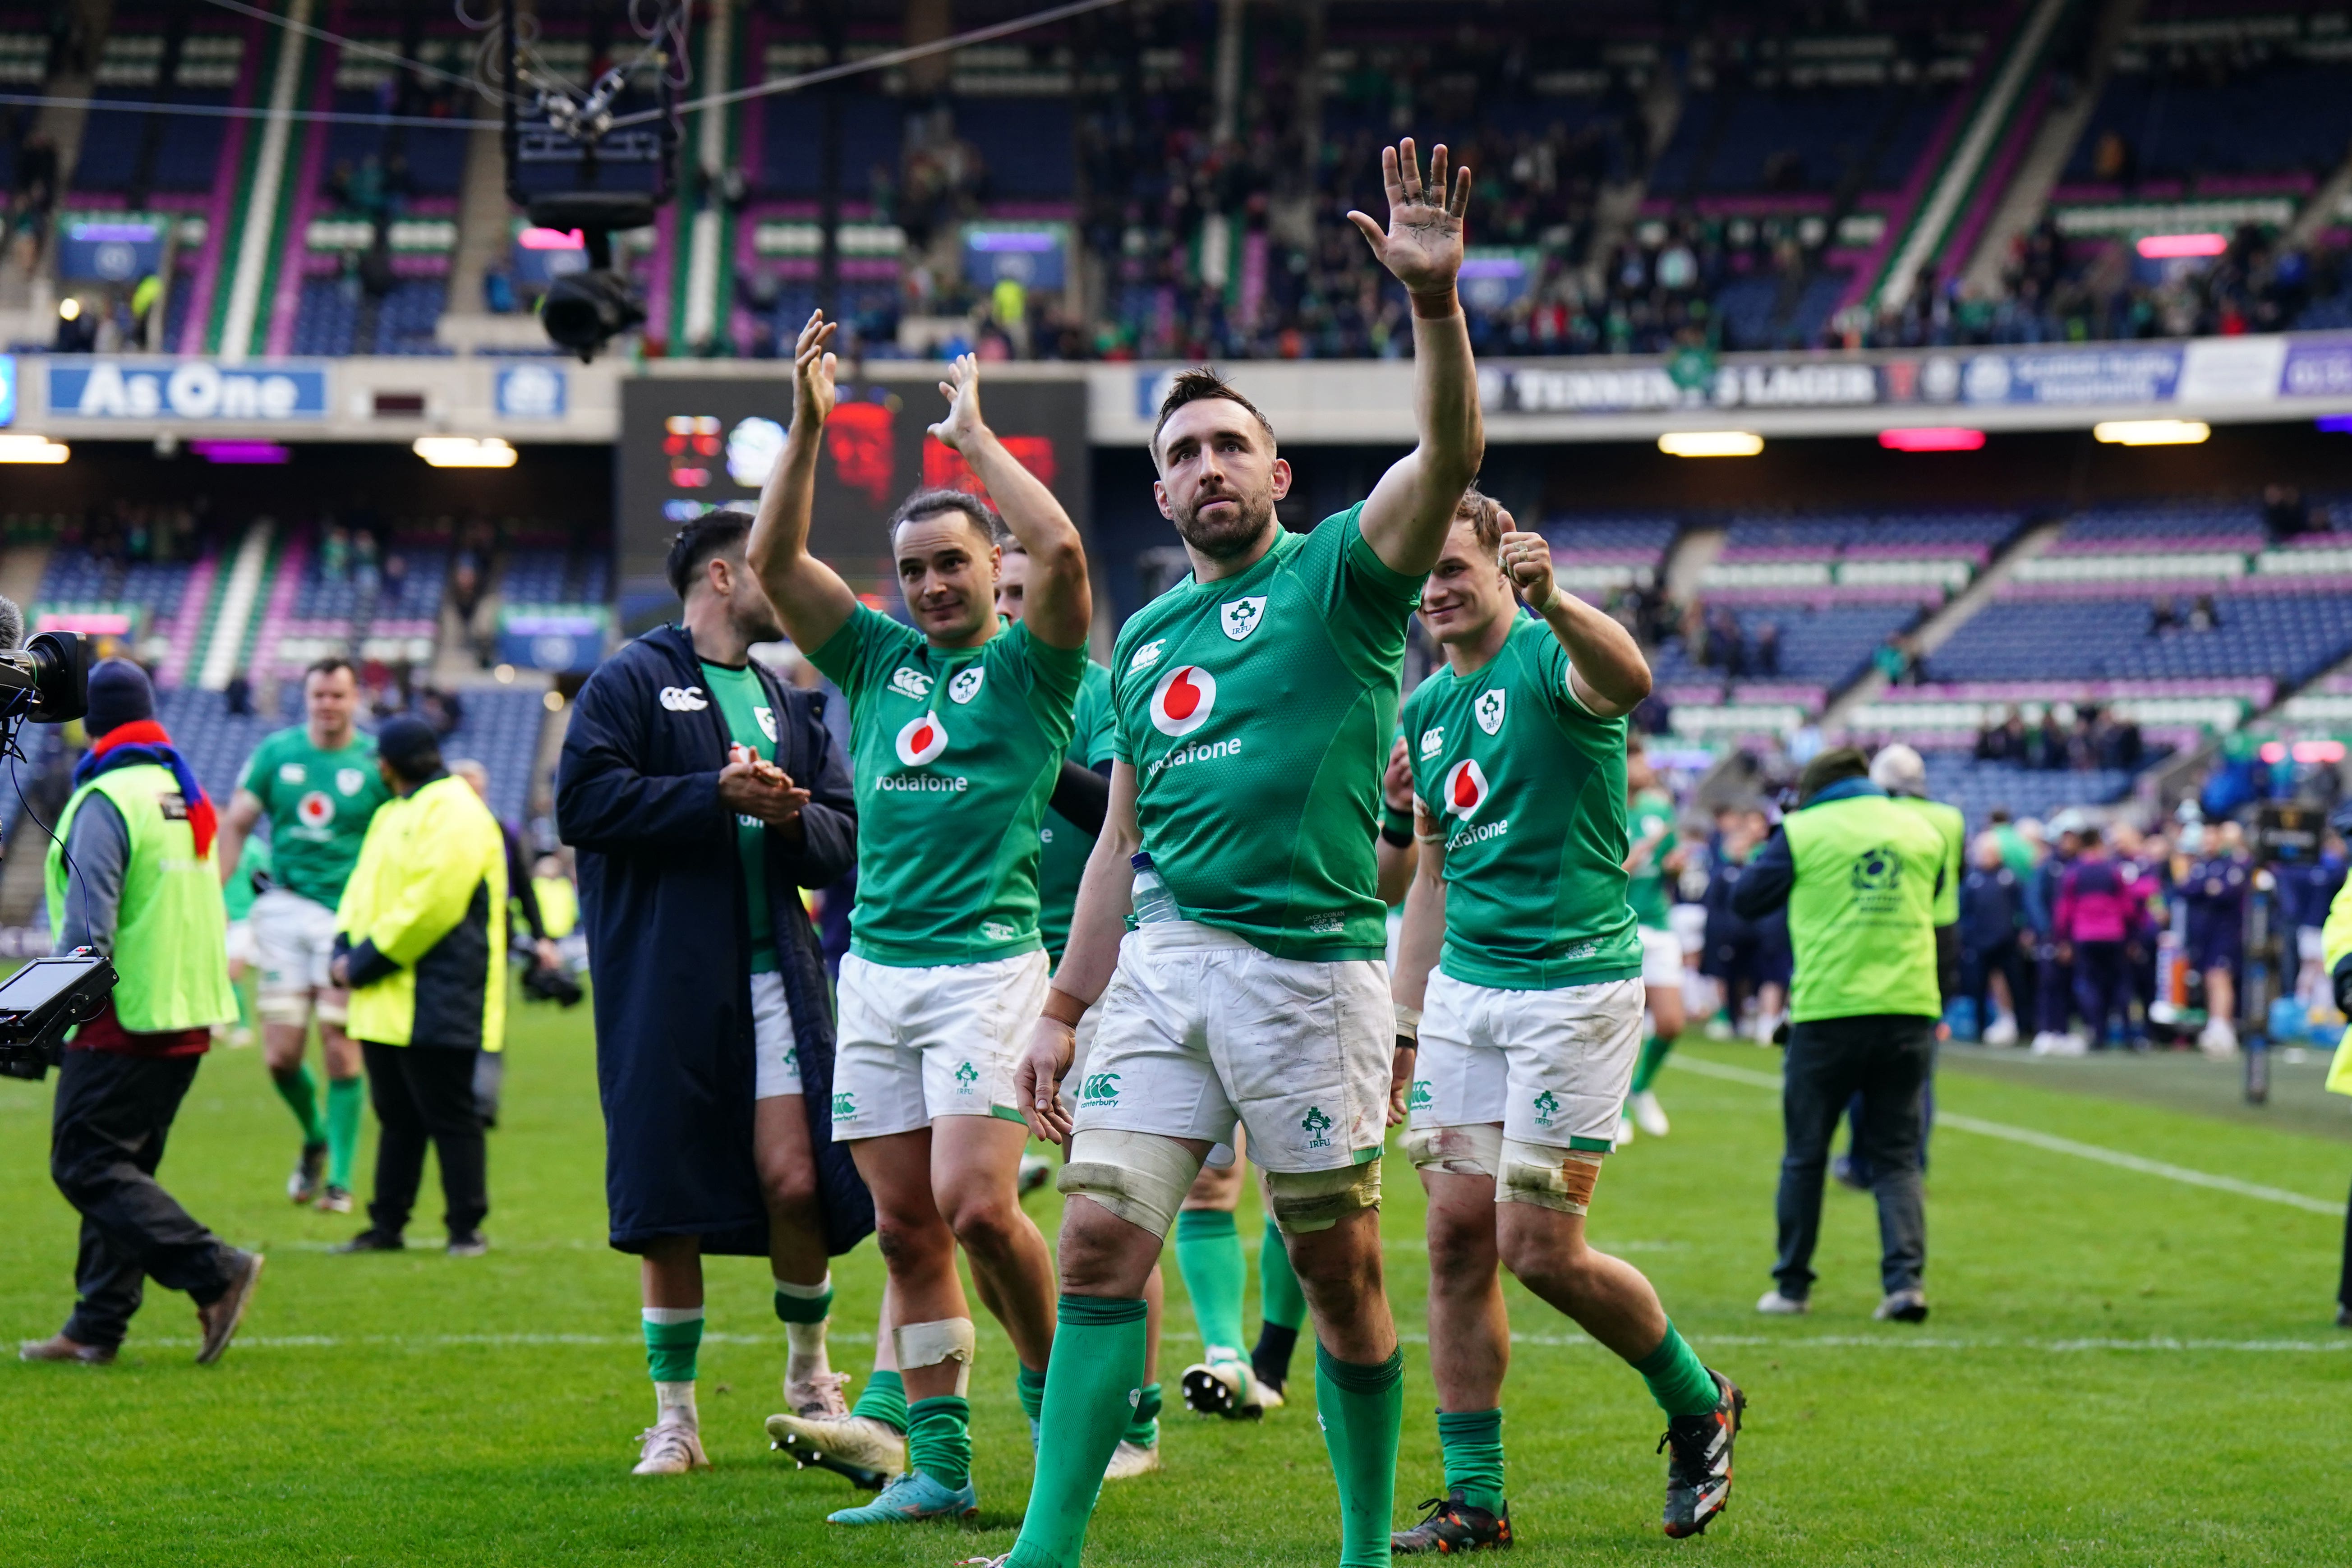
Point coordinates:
[[42, 982]]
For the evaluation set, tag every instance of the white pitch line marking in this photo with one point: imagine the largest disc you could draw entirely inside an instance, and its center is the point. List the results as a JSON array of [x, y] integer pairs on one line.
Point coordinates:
[[2050, 1144]]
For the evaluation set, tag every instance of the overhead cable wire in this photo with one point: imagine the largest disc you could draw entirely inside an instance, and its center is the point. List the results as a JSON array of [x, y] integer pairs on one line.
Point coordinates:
[[782, 84], [348, 46], [251, 111], [883, 61]]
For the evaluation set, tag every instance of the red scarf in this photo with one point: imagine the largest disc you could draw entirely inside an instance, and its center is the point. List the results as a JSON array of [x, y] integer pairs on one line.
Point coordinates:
[[153, 744]]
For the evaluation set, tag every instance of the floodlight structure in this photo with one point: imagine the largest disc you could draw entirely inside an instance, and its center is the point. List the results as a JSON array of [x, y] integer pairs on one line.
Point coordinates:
[[573, 162]]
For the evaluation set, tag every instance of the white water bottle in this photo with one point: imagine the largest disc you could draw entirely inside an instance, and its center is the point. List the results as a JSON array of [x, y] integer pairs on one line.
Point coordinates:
[[1153, 901]]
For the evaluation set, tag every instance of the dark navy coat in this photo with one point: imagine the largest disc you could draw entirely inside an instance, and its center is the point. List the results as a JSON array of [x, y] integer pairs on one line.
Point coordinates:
[[662, 901]]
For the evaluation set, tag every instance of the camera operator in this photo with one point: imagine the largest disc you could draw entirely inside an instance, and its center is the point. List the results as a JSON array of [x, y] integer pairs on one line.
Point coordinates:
[[130, 875]]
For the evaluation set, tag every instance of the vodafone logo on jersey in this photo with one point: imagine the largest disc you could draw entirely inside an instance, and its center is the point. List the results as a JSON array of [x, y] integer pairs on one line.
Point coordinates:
[[1465, 789], [1183, 700], [922, 739], [315, 809]]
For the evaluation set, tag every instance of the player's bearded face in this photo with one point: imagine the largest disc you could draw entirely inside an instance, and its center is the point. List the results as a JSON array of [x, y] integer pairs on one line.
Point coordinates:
[[1219, 477], [748, 607], [1222, 524]]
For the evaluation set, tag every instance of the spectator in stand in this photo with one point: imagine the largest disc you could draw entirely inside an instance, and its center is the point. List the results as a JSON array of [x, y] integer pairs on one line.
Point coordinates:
[[2100, 906], [2285, 514], [2163, 616], [2204, 616], [1768, 649], [1992, 962]]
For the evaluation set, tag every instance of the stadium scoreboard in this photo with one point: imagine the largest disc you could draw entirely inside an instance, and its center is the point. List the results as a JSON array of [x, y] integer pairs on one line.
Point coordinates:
[[691, 444]]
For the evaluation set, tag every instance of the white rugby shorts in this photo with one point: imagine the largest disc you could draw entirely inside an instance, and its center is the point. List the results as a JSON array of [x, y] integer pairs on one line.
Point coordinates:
[[1199, 1031], [1551, 1066], [778, 1054], [294, 938], [918, 1043], [1662, 958], [241, 949]]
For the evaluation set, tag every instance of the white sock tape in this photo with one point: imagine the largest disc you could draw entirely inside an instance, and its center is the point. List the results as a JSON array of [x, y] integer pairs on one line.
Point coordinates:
[[919, 1345]]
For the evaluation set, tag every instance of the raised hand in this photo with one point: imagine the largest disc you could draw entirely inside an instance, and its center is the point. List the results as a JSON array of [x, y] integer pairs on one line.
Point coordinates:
[[963, 424], [1527, 557], [813, 393], [1422, 243]]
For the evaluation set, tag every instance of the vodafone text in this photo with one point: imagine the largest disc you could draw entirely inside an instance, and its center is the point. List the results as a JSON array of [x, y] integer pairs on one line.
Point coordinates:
[[1480, 834], [1194, 751], [923, 784]]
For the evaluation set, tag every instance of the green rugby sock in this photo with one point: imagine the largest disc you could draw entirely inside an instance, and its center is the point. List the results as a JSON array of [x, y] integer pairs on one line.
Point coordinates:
[[671, 1344], [1654, 1052], [938, 1439], [1031, 1387], [804, 1303], [345, 1096], [1678, 1380], [1473, 1441], [884, 1400], [1283, 1304], [1143, 1427], [1209, 1255], [1361, 1408], [1094, 1386], [299, 1091]]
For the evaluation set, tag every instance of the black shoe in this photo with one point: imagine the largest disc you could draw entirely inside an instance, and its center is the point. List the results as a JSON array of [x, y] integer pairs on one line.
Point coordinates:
[[473, 1244], [2344, 1317], [308, 1170], [1698, 1473], [1451, 1525], [371, 1240]]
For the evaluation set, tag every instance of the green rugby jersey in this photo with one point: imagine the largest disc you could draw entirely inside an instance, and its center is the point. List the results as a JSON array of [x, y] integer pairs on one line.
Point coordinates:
[[1652, 813], [1062, 844], [1257, 711], [1532, 790], [319, 805], [750, 723], [956, 752]]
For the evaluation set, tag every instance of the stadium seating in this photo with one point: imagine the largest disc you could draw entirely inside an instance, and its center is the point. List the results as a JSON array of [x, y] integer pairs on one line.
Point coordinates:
[[1979, 788], [1595, 555]]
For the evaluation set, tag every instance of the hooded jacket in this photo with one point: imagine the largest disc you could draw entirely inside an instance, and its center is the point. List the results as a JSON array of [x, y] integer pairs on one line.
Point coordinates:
[[663, 904]]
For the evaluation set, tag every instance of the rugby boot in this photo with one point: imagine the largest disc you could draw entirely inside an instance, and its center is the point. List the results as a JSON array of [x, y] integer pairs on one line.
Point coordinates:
[[818, 1396], [1131, 1460], [309, 1171], [911, 1498], [1698, 1469], [862, 1450], [669, 1449], [1451, 1525], [1227, 1388]]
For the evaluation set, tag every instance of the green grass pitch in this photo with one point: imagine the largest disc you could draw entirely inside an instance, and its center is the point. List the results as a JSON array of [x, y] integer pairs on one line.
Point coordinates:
[[2121, 1367]]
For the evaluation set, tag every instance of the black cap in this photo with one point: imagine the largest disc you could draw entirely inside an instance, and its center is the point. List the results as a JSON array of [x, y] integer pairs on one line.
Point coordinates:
[[410, 748], [119, 695]]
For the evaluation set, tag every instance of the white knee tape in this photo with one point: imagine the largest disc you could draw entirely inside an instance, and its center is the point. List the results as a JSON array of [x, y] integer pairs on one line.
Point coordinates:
[[1307, 1200], [1551, 1178], [921, 1345], [335, 1007], [1474, 1150], [1139, 1176], [283, 1006]]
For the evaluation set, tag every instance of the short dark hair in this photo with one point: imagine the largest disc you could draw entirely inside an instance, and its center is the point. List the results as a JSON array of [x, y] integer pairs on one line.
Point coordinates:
[[1485, 516], [1196, 385], [1832, 767], [714, 534], [330, 665], [934, 498]]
